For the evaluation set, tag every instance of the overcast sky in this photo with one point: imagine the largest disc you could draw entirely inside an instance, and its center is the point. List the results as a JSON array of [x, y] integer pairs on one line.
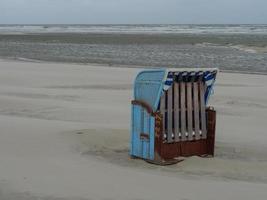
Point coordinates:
[[132, 11]]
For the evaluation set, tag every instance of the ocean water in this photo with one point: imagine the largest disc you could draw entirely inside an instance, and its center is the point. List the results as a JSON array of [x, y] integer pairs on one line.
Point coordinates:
[[138, 29], [228, 47]]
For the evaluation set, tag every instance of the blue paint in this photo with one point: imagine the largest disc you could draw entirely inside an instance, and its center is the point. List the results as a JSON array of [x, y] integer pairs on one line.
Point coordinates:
[[152, 138], [148, 85], [142, 122], [136, 130]]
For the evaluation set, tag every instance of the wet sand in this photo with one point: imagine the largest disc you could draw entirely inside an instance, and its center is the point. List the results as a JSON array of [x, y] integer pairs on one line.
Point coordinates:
[[240, 52], [65, 135]]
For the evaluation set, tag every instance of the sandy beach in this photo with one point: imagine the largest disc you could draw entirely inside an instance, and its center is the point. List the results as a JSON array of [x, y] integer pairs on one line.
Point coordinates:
[[65, 136]]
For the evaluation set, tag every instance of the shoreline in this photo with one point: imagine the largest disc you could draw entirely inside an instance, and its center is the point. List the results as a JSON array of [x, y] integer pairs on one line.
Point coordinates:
[[25, 60]]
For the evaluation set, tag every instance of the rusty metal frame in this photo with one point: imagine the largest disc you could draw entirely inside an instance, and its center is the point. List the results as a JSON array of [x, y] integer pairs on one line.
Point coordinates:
[[144, 105], [166, 153], [170, 153]]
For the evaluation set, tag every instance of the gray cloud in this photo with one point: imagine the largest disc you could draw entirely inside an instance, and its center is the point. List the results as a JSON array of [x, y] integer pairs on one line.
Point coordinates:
[[133, 11]]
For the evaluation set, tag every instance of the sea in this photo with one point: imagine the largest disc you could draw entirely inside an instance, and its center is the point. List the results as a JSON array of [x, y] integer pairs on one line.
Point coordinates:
[[229, 47]]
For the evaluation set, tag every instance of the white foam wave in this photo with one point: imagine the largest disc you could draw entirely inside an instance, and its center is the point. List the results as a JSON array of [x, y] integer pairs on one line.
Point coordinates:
[[143, 29]]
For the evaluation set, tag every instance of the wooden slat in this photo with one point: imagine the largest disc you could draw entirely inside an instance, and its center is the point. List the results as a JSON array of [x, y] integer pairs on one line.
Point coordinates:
[[162, 111], [183, 117], [142, 130], [142, 119], [196, 110], [176, 112], [169, 115], [202, 110], [189, 111], [145, 132]]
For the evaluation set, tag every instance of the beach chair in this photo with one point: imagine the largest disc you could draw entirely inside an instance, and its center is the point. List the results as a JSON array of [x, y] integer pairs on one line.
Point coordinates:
[[170, 116]]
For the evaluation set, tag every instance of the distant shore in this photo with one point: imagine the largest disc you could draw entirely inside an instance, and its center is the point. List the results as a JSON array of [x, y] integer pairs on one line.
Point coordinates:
[[25, 60]]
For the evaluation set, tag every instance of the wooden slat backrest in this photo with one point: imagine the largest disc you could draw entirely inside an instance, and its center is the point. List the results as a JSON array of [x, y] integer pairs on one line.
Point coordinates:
[[163, 112], [203, 111], [169, 115], [189, 111], [196, 110], [183, 109], [176, 116]]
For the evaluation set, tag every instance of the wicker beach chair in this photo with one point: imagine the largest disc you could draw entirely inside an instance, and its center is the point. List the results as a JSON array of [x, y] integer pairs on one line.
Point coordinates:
[[170, 116]]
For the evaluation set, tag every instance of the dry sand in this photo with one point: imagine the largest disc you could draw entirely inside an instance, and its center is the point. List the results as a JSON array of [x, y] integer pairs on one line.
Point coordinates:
[[65, 134]]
